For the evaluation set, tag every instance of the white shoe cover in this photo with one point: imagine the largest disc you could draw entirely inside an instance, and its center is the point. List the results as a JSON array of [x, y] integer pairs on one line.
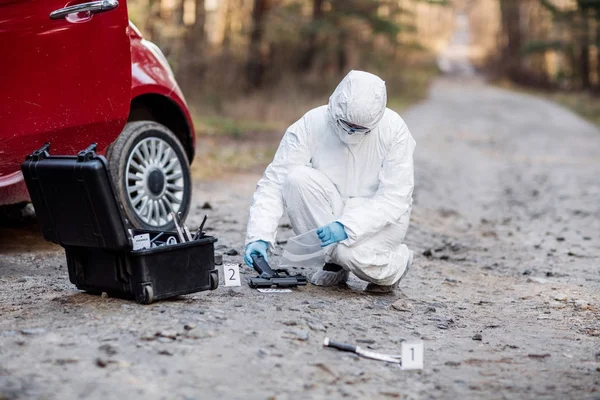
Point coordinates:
[[329, 278]]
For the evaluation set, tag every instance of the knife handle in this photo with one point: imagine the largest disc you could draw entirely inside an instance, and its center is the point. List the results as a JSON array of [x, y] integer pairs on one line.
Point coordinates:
[[339, 346]]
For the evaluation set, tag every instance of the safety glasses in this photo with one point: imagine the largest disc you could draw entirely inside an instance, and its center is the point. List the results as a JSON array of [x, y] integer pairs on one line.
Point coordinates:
[[351, 128]]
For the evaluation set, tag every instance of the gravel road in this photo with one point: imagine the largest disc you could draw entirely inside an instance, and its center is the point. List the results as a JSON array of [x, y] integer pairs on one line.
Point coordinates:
[[504, 290]]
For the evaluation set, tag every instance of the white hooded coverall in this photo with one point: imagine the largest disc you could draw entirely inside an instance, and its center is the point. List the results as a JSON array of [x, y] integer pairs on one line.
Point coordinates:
[[321, 174]]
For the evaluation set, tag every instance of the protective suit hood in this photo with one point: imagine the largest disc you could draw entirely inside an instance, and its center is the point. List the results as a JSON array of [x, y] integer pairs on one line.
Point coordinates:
[[361, 99]]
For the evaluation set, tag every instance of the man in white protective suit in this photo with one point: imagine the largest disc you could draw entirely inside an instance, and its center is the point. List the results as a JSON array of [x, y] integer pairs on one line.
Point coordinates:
[[345, 169]]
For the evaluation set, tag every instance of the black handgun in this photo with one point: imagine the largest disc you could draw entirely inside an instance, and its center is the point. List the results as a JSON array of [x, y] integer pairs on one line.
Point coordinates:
[[269, 278]]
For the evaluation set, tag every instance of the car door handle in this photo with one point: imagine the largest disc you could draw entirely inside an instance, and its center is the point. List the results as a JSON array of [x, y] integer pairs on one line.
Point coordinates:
[[92, 7]]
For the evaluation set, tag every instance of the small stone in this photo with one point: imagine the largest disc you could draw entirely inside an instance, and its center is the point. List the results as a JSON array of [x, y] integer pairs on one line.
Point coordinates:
[[445, 257], [537, 280], [452, 363], [167, 334], [33, 331], [165, 352], [232, 252], [587, 238], [189, 327], [581, 305], [560, 239], [317, 306], [428, 253], [431, 309], [102, 363], [317, 327], [403, 305], [65, 361], [108, 349], [543, 317], [21, 280], [206, 206], [290, 323], [527, 272], [394, 395], [218, 259], [296, 334], [477, 336], [560, 297], [538, 356], [199, 334], [262, 353]]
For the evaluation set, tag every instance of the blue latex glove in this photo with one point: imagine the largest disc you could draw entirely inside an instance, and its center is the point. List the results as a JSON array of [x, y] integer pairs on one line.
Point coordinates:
[[332, 233], [258, 247]]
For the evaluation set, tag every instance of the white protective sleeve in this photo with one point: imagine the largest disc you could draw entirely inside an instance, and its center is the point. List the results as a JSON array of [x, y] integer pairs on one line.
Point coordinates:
[[394, 194], [267, 206]]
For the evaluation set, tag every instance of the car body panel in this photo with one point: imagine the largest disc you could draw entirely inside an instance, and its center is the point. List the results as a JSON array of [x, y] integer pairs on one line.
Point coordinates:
[[71, 83]]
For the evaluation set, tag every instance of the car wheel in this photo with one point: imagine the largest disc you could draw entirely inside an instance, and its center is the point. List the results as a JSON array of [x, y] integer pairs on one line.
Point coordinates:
[[151, 174]]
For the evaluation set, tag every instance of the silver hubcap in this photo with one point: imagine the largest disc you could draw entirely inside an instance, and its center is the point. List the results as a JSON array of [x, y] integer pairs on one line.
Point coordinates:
[[154, 181]]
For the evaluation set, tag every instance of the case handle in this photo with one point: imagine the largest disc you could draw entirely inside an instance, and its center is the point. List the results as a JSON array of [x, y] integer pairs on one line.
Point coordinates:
[[87, 154], [40, 154]]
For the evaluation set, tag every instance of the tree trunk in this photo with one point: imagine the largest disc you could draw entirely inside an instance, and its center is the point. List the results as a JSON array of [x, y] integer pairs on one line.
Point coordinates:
[[584, 50], [153, 17], [192, 62], [598, 50], [307, 61], [511, 30], [195, 33], [255, 66], [226, 44], [342, 56], [178, 13]]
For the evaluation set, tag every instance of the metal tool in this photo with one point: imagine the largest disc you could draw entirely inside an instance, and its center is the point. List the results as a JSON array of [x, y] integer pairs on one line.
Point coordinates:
[[178, 228], [186, 231], [199, 233], [278, 278], [362, 352]]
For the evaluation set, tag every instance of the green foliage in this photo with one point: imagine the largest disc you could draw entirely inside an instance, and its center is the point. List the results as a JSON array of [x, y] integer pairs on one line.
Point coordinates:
[[542, 46], [234, 128]]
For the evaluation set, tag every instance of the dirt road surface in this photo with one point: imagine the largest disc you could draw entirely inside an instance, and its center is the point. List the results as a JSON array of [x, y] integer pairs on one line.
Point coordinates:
[[504, 291]]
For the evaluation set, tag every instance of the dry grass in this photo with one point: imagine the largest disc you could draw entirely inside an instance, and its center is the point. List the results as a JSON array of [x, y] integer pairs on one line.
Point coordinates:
[[585, 104], [242, 133]]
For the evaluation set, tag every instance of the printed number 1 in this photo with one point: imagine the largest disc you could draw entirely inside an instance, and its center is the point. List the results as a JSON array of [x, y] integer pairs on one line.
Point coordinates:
[[412, 355]]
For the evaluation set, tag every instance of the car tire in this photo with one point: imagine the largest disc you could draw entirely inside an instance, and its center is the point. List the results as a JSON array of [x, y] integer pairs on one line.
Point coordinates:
[[151, 173]]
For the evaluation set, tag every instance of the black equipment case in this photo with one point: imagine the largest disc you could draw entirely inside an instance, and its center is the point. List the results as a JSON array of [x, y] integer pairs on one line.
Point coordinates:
[[75, 203]]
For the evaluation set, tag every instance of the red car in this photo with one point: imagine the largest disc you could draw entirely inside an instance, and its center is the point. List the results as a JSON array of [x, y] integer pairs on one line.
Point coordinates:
[[79, 72]]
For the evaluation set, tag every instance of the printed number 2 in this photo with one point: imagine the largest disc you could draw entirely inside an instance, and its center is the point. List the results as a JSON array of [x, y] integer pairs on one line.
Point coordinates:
[[231, 274]]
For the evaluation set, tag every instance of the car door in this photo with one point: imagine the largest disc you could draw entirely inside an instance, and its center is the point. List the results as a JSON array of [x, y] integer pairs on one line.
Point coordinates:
[[65, 77]]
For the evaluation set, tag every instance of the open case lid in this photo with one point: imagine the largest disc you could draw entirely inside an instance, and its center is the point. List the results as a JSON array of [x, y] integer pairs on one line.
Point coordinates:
[[74, 199]]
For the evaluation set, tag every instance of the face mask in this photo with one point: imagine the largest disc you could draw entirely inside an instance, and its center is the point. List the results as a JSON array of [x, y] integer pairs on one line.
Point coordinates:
[[351, 134], [352, 129]]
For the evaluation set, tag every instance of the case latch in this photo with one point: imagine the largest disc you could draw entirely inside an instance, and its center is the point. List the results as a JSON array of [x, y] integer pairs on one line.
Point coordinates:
[[87, 154], [40, 154]]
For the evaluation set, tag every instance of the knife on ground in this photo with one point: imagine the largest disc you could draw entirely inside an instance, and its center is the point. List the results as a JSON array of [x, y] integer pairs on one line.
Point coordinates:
[[361, 352]]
